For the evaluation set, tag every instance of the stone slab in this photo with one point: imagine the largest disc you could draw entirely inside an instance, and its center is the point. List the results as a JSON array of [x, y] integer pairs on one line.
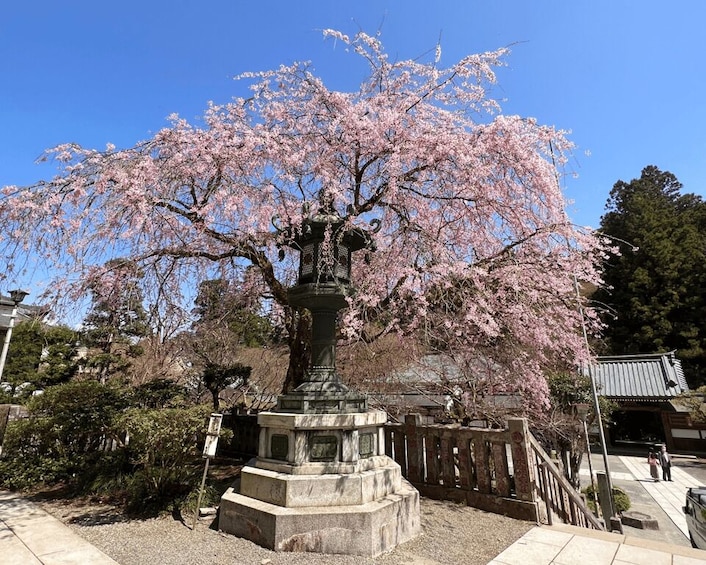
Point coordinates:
[[326, 468], [639, 520], [42, 536], [577, 550], [292, 420], [366, 529], [14, 552], [297, 491], [635, 554]]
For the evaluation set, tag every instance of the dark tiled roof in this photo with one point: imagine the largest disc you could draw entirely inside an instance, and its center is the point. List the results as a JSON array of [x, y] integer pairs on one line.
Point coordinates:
[[656, 376], [24, 312]]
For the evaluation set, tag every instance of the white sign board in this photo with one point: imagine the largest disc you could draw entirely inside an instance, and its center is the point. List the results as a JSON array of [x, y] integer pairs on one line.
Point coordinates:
[[214, 429]]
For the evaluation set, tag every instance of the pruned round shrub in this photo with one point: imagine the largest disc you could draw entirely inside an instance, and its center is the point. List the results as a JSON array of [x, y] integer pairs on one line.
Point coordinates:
[[620, 499]]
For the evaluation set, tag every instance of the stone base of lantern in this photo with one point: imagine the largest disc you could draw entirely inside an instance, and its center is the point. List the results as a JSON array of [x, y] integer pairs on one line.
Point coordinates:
[[367, 529], [322, 483]]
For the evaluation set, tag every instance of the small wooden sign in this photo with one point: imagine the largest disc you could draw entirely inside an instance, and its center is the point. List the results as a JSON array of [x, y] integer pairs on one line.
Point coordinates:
[[214, 429]]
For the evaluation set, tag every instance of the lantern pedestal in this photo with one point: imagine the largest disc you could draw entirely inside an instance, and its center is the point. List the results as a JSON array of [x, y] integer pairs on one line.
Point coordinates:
[[322, 482], [322, 392]]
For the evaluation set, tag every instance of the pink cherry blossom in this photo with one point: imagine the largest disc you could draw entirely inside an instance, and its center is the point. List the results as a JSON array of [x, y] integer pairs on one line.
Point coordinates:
[[475, 244]]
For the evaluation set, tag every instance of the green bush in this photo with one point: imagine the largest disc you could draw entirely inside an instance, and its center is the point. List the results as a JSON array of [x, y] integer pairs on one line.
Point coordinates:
[[24, 475], [62, 438], [162, 450], [620, 499], [84, 435]]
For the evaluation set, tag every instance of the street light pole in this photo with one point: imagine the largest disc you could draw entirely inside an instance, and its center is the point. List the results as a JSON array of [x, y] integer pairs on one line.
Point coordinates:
[[16, 296], [582, 412], [596, 409], [601, 435]]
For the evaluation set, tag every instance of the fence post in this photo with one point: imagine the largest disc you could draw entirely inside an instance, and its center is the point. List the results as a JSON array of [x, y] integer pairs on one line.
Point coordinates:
[[605, 499], [415, 451], [547, 496], [520, 446], [502, 474], [481, 461]]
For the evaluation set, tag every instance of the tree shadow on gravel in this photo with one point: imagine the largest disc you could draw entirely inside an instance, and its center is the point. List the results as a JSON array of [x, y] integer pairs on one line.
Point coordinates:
[[61, 501], [98, 518]]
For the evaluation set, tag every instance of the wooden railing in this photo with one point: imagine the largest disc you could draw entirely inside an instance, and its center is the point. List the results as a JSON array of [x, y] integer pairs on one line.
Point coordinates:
[[560, 498], [503, 471], [485, 468]]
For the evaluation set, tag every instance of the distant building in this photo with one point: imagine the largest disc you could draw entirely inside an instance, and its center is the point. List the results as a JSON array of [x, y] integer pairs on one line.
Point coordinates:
[[646, 387], [432, 387], [24, 312]]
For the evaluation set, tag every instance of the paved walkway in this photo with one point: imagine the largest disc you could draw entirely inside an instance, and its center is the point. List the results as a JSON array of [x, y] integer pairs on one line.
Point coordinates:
[[569, 545], [671, 496], [30, 536]]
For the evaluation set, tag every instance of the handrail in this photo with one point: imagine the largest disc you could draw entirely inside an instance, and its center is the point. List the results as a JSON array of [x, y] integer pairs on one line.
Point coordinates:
[[560, 494]]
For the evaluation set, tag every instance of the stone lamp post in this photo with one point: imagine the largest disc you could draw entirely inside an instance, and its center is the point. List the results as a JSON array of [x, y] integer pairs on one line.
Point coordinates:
[[323, 285], [321, 480]]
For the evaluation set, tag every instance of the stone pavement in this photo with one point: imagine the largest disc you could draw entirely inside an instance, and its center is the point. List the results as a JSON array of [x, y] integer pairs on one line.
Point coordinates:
[[30, 536], [568, 545], [670, 496]]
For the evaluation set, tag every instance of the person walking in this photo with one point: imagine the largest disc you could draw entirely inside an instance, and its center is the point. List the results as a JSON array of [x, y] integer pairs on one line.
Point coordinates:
[[665, 460], [653, 462]]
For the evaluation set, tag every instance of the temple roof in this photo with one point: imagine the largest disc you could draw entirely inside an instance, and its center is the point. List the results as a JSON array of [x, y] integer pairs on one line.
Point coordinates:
[[654, 377]]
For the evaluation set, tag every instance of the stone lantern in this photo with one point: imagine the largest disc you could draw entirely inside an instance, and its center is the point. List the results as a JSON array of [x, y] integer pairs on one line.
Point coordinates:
[[321, 480], [323, 285]]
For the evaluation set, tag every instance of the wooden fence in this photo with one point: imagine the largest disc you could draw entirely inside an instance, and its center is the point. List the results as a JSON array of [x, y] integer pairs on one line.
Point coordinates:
[[246, 433], [485, 468], [8, 413], [502, 471]]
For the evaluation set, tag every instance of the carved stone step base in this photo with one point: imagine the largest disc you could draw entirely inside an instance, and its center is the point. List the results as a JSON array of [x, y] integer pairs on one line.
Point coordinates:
[[364, 529], [294, 490]]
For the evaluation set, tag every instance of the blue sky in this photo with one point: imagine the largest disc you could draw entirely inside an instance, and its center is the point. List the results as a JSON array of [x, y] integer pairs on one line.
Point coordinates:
[[626, 77]]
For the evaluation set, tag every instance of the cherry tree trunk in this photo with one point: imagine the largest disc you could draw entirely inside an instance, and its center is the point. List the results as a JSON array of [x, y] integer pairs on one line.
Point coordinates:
[[299, 326]]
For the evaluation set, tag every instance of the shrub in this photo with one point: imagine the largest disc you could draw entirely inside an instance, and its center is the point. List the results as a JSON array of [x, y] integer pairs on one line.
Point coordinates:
[[162, 450], [152, 460], [81, 414], [159, 393], [620, 499], [61, 439]]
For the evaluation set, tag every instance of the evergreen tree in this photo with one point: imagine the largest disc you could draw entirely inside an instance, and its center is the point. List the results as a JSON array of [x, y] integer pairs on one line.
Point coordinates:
[[59, 361], [656, 286], [40, 356], [22, 360], [218, 377], [227, 320], [116, 321], [219, 304]]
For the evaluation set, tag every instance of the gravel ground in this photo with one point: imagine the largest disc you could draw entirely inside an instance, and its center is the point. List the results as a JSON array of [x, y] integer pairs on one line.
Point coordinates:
[[451, 534]]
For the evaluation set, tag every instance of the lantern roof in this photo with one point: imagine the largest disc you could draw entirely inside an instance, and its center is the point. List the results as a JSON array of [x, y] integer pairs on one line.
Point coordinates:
[[313, 228]]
